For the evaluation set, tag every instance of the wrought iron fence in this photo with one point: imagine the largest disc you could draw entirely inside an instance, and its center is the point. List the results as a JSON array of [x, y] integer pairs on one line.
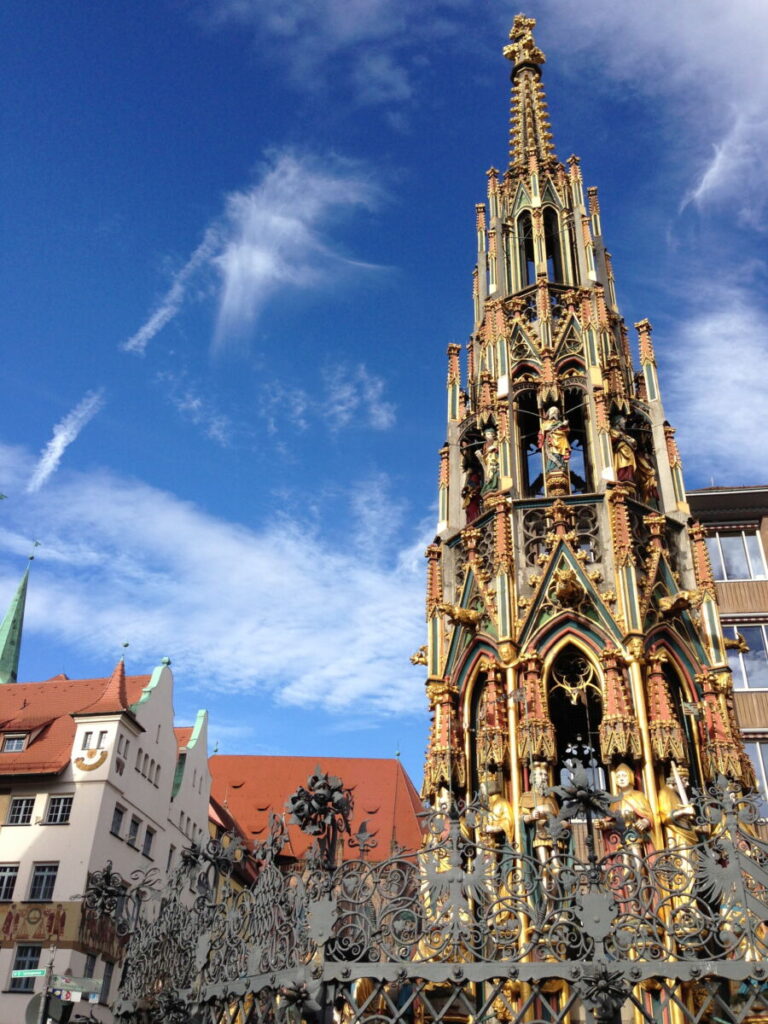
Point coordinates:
[[467, 928]]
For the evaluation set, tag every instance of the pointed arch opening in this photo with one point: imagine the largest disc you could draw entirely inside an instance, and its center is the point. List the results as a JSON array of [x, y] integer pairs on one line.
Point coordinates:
[[526, 255], [552, 245], [576, 711], [580, 465], [687, 721], [488, 735], [531, 466]]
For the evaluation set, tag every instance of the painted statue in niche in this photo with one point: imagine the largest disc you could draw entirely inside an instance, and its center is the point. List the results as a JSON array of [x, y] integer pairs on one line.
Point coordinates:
[[471, 499], [678, 820], [470, 494], [488, 456], [553, 441], [645, 469], [624, 450], [537, 806], [630, 828], [500, 818], [677, 813]]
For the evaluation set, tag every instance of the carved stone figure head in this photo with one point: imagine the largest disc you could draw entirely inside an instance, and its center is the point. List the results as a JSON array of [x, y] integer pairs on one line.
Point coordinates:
[[539, 775], [624, 777]]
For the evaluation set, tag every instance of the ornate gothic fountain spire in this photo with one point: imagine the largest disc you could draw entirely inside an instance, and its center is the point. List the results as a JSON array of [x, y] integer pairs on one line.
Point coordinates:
[[564, 588], [530, 134]]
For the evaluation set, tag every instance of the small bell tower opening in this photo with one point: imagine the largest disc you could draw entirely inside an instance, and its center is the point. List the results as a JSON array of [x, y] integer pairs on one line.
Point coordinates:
[[525, 249], [531, 474], [579, 468], [552, 245]]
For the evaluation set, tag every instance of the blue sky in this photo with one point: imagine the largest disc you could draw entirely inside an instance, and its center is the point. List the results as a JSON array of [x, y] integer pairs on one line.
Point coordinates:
[[237, 240]]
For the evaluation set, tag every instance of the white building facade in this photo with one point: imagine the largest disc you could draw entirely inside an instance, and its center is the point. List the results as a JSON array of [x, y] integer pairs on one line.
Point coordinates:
[[91, 771]]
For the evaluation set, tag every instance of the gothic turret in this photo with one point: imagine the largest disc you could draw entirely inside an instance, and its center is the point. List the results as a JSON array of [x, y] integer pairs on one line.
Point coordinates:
[[570, 606], [10, 633]]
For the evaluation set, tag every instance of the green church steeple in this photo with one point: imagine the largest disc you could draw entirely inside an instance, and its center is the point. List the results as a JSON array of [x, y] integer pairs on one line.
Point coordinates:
[[10, 633]]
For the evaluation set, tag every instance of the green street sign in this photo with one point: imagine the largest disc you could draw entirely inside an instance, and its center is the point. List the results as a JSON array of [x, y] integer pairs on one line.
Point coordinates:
[[36, 972], [67, 981]]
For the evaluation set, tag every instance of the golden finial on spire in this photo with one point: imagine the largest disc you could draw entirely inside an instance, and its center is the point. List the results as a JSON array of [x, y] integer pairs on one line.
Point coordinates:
[[523, 49]]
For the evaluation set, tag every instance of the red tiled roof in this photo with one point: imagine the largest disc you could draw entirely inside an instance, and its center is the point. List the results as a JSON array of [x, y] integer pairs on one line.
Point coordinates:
[[114, 695], [49, 707], [183, 735], [251, 787]]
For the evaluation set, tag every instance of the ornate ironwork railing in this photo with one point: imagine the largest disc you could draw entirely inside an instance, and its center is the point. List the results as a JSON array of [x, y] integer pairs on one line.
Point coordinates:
[[467, 928]]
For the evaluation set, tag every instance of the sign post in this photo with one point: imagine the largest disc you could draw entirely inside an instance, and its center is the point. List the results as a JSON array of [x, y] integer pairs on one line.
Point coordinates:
[[46, 988]]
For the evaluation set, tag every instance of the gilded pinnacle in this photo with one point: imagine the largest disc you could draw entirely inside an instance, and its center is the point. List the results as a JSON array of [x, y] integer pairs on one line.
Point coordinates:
[[523, 49], [530, 132]]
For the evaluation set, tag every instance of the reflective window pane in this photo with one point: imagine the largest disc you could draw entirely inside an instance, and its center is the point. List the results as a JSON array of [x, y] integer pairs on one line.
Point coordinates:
[[762, 776], [756, 661], [714, 557], [734, 660], [754, 548], [734, 556], [757, 754]]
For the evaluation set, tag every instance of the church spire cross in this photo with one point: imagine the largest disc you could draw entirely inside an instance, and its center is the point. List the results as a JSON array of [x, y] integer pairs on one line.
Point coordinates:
[[530, 134]]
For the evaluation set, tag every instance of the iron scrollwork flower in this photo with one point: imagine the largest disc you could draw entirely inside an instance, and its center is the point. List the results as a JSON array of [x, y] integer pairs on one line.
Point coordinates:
[[603, 990], [322, 809]]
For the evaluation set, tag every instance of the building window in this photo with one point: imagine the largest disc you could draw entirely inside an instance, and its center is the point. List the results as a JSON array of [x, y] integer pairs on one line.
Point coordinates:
[[102, 741], [43, 882], [27, 959], [106, 983], [758, 753], [146, 847], [737, 556], [133, 830], [117, 820], [13, 742], [88, 741], [20, 811], [750, 668], [171, 851], [8, 875], [59, 808], [90, 965]]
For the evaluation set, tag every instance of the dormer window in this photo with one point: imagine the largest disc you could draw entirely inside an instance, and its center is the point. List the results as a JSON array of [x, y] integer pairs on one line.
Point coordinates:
[[14, 742]]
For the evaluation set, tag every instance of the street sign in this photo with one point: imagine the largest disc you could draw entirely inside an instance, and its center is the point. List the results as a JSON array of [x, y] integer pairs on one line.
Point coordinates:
[[68, 981], [68, 995], [35, 972]]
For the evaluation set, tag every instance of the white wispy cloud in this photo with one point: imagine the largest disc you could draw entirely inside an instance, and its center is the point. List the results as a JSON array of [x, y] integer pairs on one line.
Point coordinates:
[[352, 393], [374, 46], [187, 398], [64, 433], [173, 300], [280, 609], [702, 61], [269, 237], [714, 390]]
